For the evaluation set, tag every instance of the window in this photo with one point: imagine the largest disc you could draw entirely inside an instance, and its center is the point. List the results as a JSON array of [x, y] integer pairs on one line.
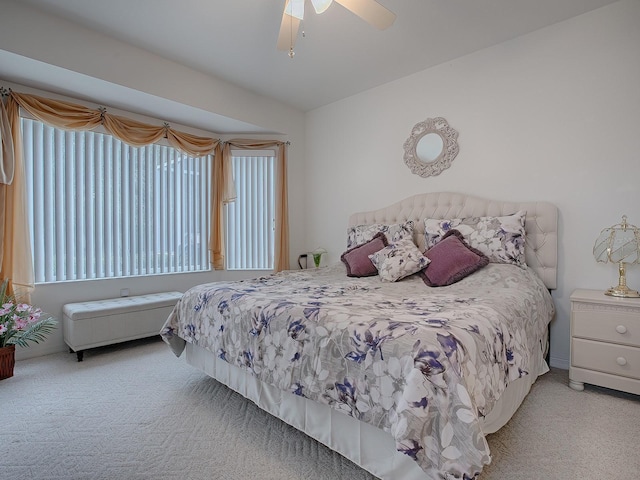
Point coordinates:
[[99, 208], [250, 220]]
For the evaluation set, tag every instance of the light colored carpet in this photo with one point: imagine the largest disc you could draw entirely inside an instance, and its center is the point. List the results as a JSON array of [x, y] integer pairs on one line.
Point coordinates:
[[134, 411]]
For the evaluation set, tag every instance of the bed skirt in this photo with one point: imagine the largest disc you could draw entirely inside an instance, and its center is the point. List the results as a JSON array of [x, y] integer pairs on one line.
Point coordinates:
[[367, 446]]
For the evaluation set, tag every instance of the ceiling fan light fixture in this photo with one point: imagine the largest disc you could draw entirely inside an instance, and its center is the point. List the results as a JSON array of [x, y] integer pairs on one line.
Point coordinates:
[[320, 6], [295, 8], [371, 11]]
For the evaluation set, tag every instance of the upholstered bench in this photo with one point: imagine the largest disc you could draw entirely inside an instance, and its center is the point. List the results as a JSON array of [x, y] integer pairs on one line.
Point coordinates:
[[104, 322]]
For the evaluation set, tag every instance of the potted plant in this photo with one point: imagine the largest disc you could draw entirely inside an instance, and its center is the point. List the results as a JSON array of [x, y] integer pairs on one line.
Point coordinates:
[[20, 323]]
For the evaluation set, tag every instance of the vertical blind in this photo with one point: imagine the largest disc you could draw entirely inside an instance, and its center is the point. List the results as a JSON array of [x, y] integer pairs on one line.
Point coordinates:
[[250, 220], [100, 208]]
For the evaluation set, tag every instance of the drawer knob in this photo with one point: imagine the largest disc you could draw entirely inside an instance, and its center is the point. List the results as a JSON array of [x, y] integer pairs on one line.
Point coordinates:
[[621, 361], [621, 329]]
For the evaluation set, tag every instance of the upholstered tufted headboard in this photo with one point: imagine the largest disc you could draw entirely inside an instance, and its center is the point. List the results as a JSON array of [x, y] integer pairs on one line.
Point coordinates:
[[541, 226]]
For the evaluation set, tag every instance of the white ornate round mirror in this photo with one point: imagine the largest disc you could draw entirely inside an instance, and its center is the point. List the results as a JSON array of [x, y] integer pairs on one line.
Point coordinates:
[[431, 147]]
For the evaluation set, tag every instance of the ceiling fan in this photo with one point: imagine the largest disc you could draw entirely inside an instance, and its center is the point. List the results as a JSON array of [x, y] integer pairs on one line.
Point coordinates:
[[369, 10]]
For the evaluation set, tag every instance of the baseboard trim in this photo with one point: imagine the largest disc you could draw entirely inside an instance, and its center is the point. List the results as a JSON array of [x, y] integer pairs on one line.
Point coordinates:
[[558, 362]]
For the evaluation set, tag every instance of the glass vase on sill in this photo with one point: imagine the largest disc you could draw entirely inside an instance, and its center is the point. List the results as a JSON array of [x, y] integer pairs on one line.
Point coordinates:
[[317, 256]]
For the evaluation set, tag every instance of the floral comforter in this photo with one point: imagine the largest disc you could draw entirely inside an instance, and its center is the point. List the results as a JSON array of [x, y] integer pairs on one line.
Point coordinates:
[[423, 363]]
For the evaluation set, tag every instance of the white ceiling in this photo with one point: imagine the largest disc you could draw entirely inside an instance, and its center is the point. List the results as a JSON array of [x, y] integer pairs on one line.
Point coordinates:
[[339, 56]]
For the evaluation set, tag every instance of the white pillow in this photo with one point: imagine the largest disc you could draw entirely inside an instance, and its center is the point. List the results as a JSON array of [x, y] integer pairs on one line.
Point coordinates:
[[361, 234], [502, 239], [399, 260]]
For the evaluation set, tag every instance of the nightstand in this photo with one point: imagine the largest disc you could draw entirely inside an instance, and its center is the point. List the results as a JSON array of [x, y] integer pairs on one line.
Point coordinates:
[[605, 341]]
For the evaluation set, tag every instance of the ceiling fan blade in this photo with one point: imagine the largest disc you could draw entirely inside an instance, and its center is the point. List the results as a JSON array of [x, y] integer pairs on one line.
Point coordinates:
[[320, 6], [370, 11], [288, 32]]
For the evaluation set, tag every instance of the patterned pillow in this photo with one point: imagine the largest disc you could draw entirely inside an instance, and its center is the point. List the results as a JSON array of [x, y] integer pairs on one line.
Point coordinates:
[[399, 260], [499, 238], [451, 260], [357, 259], [363, 233]]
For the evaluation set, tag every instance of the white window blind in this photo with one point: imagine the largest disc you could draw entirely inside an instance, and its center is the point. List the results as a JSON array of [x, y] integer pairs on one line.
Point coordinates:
[[250, 220], [100, 208]]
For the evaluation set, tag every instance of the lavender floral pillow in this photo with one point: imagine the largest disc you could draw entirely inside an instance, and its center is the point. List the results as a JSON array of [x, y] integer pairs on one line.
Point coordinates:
[[363, 233], [399, 260], [499, 238]]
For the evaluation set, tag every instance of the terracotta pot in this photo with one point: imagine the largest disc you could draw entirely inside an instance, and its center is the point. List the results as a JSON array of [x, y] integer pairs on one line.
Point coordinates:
[[7, 361]]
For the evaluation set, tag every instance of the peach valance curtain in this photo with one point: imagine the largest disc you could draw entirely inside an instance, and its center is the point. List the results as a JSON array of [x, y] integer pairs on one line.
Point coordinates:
[[15, 246], [224, 193], [71, 116]]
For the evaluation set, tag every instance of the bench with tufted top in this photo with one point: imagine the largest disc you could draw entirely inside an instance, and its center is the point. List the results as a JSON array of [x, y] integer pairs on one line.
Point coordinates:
[[105, 322]]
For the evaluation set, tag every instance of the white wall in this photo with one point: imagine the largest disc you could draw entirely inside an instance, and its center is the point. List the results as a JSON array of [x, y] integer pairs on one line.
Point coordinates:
[[34, 35], [553, 116]]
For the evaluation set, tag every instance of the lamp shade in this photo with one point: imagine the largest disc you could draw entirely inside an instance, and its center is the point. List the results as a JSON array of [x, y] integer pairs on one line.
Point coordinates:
[[619, 243]]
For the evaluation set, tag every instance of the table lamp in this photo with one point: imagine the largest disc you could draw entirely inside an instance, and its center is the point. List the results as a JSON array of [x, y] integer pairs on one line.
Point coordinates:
[[619, 244]]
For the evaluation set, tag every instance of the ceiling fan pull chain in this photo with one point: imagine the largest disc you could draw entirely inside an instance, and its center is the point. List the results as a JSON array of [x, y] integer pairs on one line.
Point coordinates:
[[291, 52]]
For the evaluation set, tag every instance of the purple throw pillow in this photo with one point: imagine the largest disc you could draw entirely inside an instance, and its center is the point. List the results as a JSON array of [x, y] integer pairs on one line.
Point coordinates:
[[357, 258], [451, 260]]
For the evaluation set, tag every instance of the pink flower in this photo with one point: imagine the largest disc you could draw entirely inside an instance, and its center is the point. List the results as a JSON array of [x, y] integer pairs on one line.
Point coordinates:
[[21, 323], [6, 308], [22, 307], [3, 328]]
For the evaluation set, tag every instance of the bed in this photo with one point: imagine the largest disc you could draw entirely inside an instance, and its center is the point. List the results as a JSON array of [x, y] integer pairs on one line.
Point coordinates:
[[404, 379]]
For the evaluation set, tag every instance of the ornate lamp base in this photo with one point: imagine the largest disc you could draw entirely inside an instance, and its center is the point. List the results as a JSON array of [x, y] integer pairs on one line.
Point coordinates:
[[622, 291]]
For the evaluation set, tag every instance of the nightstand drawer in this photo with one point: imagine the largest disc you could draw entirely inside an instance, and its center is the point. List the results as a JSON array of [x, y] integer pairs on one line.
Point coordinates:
[[606, 357], [607, 326]]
